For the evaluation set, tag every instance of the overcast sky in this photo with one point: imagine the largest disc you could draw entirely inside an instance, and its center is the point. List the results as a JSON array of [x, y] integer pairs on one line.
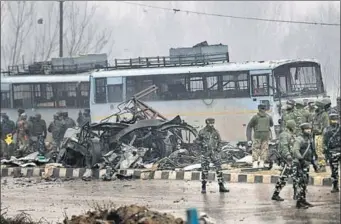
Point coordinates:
[[142, 31]]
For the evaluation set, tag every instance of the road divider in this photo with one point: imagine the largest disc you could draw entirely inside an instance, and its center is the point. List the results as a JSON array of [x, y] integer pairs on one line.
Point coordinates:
[[232, 177]]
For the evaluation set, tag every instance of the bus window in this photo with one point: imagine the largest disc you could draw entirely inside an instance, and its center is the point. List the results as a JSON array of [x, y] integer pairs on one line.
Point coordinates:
[[100, 92], [67, 95], [235, 84], [260, 85], [23, 97], [83, 99], [115, 93], [5, 99], [196, 87]]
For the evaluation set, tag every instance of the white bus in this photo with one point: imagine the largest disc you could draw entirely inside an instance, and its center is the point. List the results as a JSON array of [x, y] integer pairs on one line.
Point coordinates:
[[228, 92]]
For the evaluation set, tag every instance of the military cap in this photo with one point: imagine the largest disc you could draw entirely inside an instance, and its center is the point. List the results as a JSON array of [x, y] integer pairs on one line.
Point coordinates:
[[333, 116], [306, 126], [210, 120], [20, 110], [291, 102], [290, 124]]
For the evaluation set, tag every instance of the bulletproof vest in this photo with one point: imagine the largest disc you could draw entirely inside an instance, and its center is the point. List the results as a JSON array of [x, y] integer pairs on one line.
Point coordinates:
[[263, 123], [211, 138], [304, 145], [335, 140], [38, 127]]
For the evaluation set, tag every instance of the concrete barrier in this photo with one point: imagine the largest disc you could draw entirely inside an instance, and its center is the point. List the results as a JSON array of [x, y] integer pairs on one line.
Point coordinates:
[[159, 175]]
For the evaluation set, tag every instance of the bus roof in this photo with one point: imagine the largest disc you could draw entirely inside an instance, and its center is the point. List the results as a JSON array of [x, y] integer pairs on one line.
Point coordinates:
[[244, 66], [82, 77]]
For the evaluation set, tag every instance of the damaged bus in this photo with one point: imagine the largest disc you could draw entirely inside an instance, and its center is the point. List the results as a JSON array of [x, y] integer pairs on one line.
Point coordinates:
[[228, 92]]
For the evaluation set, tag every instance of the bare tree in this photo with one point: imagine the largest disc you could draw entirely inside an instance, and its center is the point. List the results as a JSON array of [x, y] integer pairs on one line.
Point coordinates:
[[82, 34], [20, 16]]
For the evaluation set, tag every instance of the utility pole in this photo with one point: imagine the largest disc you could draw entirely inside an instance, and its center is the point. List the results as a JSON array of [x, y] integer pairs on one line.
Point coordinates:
[[61, 28]]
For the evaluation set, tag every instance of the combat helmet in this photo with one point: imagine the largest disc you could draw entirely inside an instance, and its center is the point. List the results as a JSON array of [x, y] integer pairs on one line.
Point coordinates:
[[306, 126], [326, 101], [209, 120], [319, 103], [291, 124], [299, 103]]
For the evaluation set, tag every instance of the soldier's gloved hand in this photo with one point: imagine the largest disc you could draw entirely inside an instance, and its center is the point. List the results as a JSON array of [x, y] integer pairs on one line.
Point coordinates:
[[249, 143]]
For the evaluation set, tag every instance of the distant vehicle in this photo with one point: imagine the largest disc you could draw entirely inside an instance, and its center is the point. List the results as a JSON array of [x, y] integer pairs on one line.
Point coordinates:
[[228, 92], [45, 94]]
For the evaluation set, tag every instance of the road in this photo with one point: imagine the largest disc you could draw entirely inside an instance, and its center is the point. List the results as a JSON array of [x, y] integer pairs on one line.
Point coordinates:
[[246, 203]]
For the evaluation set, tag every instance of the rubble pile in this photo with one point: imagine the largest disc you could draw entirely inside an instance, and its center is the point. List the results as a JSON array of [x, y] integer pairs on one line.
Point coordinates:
[[135, 137], [132, 214]]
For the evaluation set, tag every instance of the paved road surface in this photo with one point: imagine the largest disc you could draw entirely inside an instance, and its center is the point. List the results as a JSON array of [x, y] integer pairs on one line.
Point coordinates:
[[246, 203]]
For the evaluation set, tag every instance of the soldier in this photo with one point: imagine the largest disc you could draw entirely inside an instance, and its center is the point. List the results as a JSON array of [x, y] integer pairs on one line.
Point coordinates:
[[38, 131], [86, 116], [23, 135], [69, 122], [320, 122], [327, 105], [209, 140], [20, 112], [302, 155], [286, 141], [54, 131], [80, 119], [291, 113], [332, 147], [311, 110], [261, 124], [7, 128], [304, 114]]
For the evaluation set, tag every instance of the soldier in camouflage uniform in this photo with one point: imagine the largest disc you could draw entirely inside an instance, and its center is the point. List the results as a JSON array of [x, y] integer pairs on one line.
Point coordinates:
[[327, 106], [209, 141], [310, 109], [320, 122], [291, 113], [332, 148], [304, 114], [57, 128], [70, 123], [302, 155], [261, 124], [286, 141]]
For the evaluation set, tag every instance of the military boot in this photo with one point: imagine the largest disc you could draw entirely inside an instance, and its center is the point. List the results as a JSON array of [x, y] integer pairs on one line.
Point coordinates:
[[203, 187], [222, 188], [307, 203], [276, 197], [300, 204], [335, 188]]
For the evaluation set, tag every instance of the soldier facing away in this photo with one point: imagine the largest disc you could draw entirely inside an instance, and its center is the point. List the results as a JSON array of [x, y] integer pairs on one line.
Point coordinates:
[[286, 142], [209, 141], [23, 135], [302, 155], [260, 124], [332, 148], [291, 113]]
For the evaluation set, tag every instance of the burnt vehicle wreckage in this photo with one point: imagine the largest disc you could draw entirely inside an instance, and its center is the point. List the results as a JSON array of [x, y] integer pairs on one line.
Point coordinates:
[[143, 139]]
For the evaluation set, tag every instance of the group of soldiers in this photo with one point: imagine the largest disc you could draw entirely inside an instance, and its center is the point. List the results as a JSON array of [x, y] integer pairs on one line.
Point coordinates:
[[31, 132], [309, 132]]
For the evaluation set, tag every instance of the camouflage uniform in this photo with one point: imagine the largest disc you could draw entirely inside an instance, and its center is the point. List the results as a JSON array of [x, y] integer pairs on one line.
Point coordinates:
[[304, 114], [302, 154], [291, 113], [69, 122], [261, 124], [209, 141], [286, 141], [310, 109], [57, 128], [39, 133], [332, 147], [320, 122], [80, 119], [23, 135]]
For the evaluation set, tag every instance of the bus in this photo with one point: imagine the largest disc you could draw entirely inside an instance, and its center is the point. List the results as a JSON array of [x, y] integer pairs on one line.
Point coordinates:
[[45, 94], [228, 92]]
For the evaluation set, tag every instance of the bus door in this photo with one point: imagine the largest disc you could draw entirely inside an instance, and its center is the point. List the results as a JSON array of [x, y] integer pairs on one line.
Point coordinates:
[[260, 87]]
